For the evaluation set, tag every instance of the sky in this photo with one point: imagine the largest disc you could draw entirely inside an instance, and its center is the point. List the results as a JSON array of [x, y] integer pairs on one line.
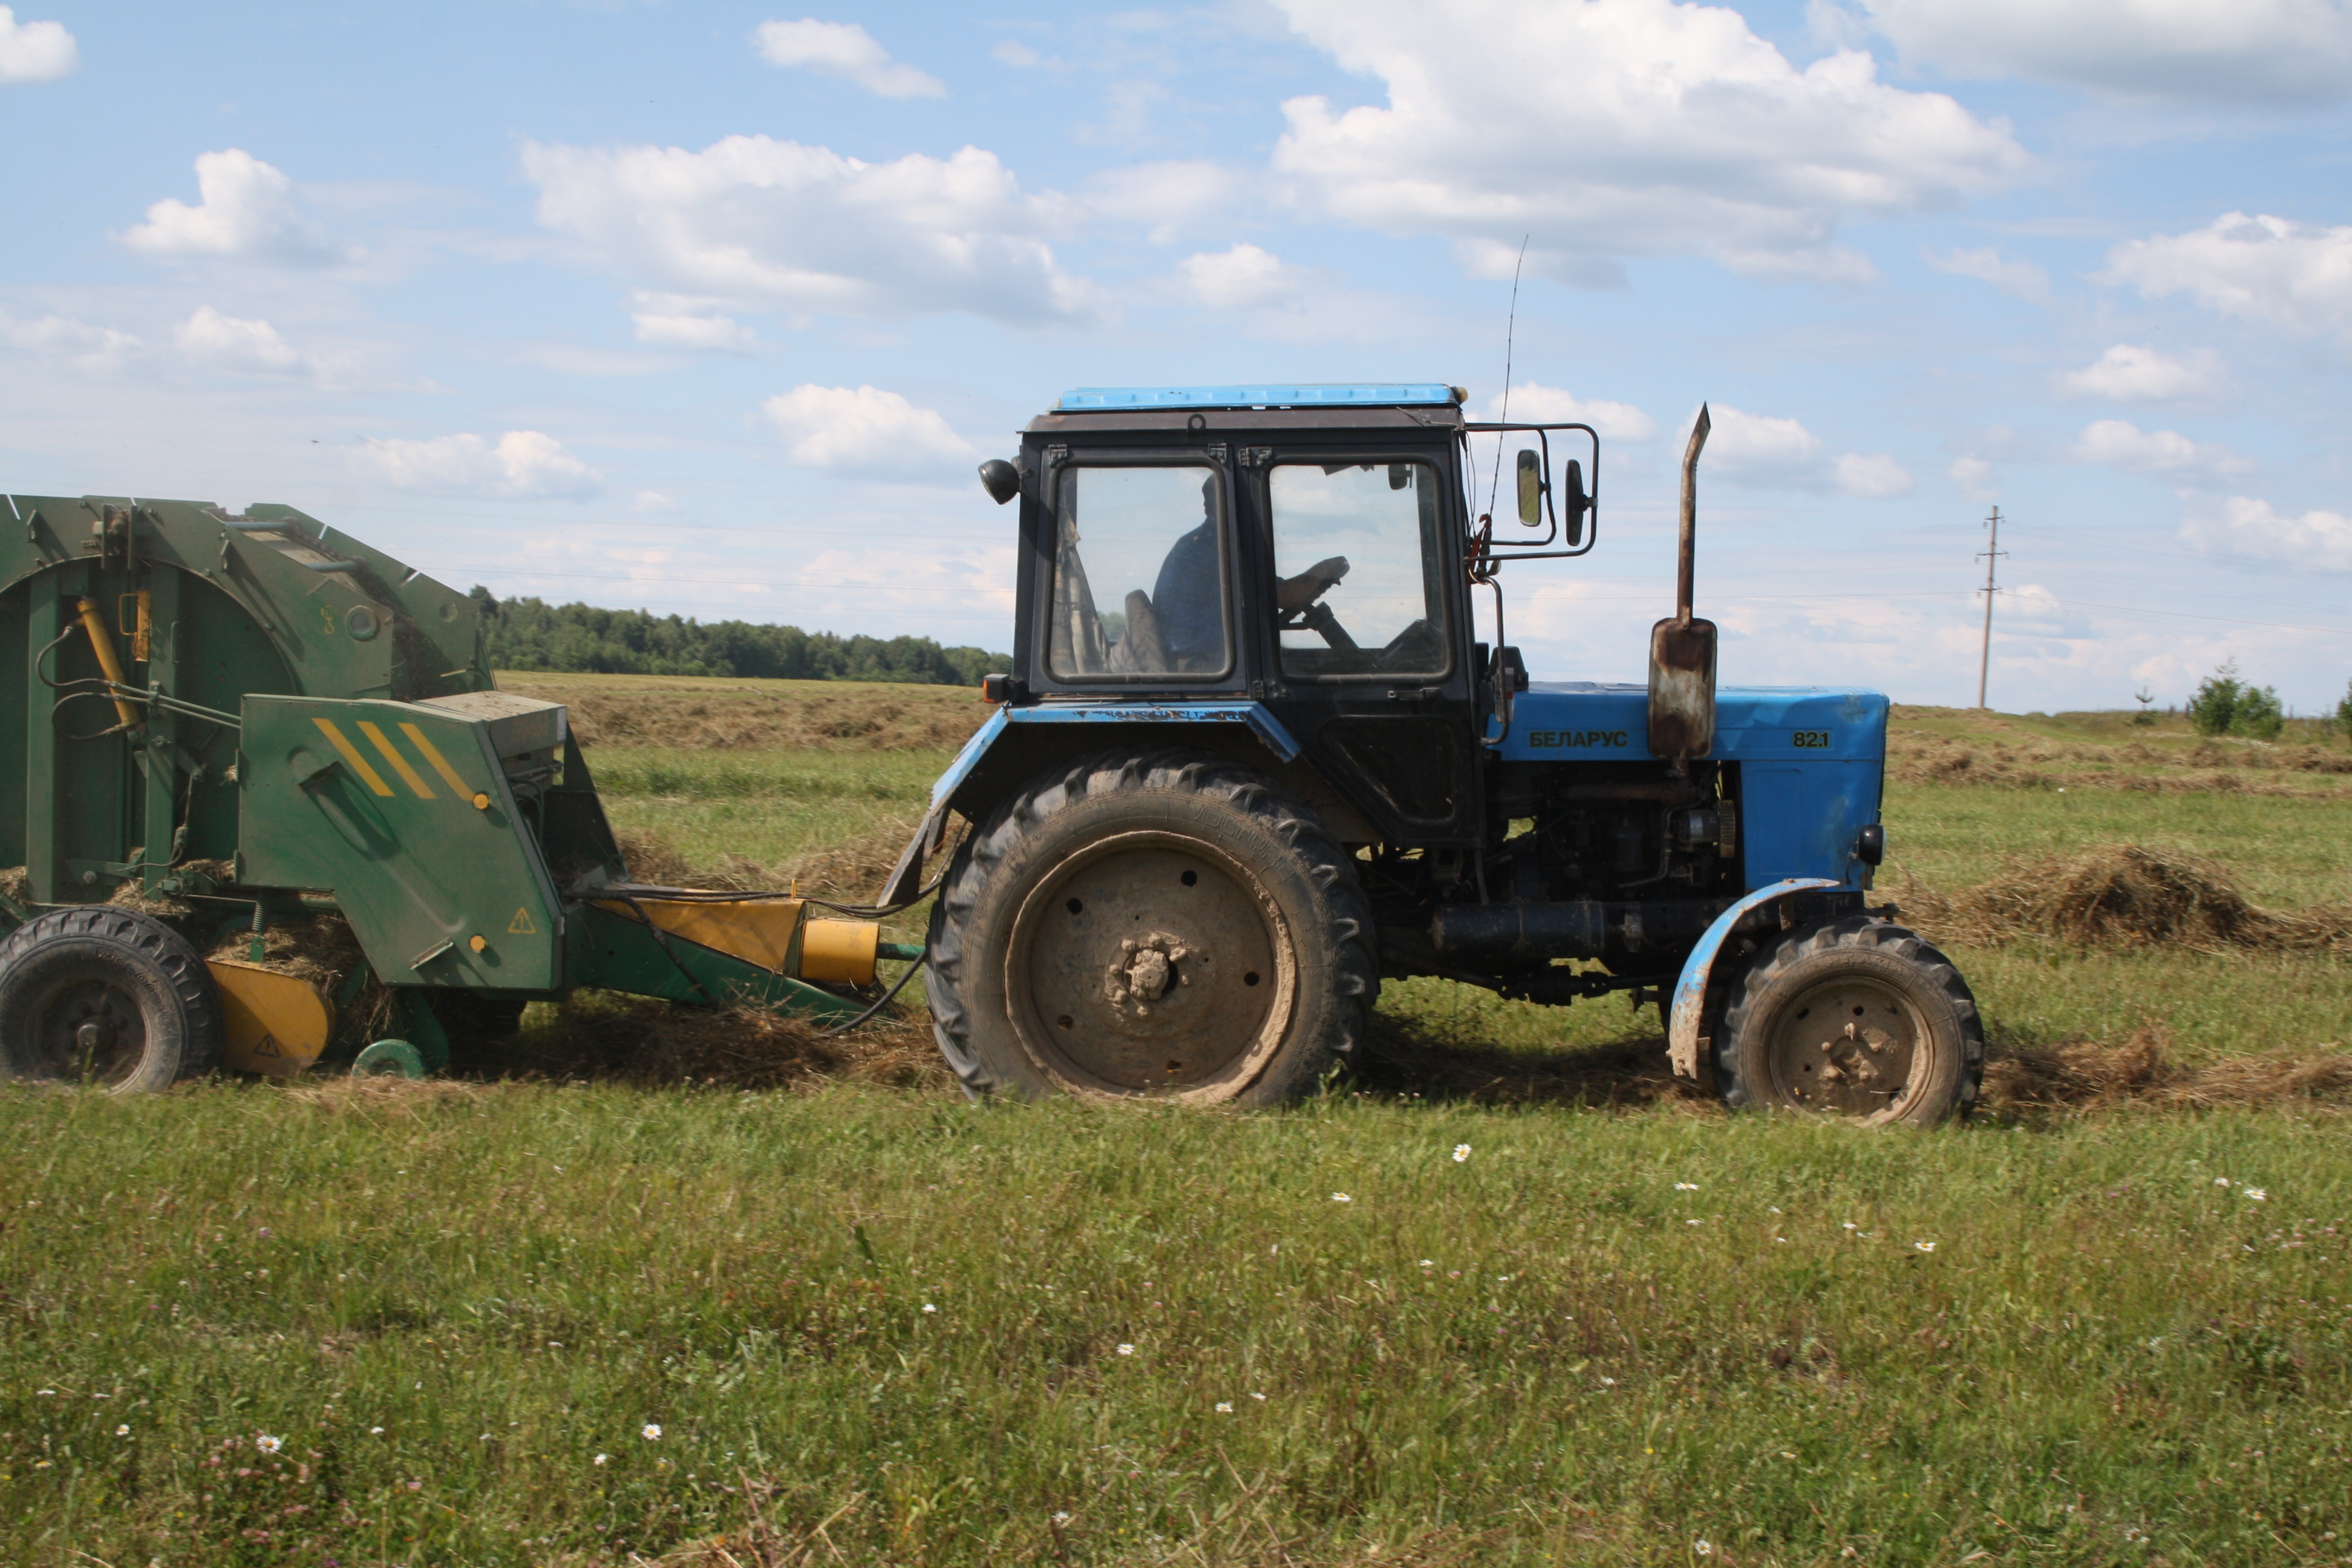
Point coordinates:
[[713, 308]]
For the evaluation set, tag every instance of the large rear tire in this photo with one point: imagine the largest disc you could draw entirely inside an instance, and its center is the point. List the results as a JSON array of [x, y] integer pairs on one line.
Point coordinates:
[[1857, 1019], [105, 998], [1164, 924]]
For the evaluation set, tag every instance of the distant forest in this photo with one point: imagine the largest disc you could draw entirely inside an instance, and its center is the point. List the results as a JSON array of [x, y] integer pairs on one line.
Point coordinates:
[[531, 634]]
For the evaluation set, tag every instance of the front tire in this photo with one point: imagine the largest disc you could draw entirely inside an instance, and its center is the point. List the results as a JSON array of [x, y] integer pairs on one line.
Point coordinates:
[[105, 998], [1858, 1019], [1164, 924]]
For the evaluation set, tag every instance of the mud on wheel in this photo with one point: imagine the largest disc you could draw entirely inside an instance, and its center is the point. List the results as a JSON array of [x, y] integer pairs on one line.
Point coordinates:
[[106, 997], [1858, 1018], [1163, 923]]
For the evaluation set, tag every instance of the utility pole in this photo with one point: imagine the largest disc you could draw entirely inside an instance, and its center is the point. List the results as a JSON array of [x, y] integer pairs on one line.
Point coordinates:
[[1992, 552]]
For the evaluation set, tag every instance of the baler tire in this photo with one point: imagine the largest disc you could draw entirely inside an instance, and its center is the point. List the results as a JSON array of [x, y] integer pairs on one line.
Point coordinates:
[[1895, 982], [1236, 844], [130, 978]]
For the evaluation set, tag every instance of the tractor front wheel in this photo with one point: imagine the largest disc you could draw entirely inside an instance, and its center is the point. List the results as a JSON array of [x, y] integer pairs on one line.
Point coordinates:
[[1858, 1019], [105, 998], [1164, 924]]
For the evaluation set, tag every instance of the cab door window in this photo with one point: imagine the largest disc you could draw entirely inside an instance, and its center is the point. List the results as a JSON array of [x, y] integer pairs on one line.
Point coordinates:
[[1139, 573], [1360, 552]]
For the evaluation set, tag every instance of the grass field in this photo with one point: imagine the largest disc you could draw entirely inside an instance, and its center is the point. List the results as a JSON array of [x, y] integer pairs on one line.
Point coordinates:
[[435, 1324]]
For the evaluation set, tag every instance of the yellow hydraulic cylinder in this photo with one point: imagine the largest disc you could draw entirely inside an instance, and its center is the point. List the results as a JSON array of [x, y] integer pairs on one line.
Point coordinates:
[[101, 642], [839, 952]]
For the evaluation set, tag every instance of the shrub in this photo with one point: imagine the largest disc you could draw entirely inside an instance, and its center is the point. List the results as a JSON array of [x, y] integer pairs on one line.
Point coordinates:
[[2344, 712], [2216, 702], [2258, 714]]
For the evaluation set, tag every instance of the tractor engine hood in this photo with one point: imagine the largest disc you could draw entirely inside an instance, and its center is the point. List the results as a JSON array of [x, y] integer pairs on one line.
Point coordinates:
[[1585, 721]]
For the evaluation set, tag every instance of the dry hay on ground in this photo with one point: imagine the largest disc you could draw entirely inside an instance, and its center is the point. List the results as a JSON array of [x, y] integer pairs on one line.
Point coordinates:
[[2081, 1075], [632, 1040], [2124, 895], [816, 715], [1917, 757]]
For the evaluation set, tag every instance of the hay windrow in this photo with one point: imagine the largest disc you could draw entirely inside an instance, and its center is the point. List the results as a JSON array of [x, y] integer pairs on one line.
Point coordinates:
[[852, 872], [2081, 1075], [600, 1034], [2300, 771], [820, 715], [2124, 896]]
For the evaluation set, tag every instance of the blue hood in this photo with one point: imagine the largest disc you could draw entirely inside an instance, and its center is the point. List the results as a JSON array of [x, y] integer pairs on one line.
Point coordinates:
[[1811, 762]]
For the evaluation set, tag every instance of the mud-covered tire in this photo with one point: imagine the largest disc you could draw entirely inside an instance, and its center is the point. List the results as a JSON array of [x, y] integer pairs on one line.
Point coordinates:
[[107, 997], [1163, 923], [1858, 1019]]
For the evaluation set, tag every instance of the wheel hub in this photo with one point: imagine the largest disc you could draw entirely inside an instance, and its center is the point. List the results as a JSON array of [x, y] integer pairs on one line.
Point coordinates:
[[1150, 964], [89, 1031], [1846, 1047]]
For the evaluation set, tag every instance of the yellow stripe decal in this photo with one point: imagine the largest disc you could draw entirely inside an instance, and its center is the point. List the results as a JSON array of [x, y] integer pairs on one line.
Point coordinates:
[[408, 775], [440, 763], [351, 754]]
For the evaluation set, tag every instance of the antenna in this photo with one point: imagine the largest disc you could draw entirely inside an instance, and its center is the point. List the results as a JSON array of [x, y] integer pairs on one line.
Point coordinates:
[[1510, 334], [1991, 555]]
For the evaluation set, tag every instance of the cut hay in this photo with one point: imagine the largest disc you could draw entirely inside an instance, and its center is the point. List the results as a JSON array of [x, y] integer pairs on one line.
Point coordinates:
[[603, 1036], [720, 715], [2124, 896], [2081, 1075], [852, 872]]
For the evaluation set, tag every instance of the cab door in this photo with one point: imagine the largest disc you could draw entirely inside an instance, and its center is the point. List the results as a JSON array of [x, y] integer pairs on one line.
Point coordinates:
[[1361, 610]]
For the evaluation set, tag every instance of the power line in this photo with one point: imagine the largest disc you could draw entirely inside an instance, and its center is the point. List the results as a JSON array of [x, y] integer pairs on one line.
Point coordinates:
[[1993, 553]]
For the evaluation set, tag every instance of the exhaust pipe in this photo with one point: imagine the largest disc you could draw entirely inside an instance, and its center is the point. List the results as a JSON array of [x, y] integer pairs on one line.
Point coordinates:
[[1682, 650]]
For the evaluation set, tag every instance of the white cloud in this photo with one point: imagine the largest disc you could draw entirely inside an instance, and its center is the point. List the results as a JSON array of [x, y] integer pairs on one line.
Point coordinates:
[[670, 321], [35, 51], [1240, 278], [2254, 52], [1609, 128], [2022, 279], [522, 464], [1976, 478], [234, 343], [93, 347], [767, 224], [1017, 55], [846, 50], [1761, 451], [2272, 269], [1169, 197], [1532, 402], [2243, 525], [247, 210], [862, 428], [2139, 373], [1874, 476], [2166, 454]]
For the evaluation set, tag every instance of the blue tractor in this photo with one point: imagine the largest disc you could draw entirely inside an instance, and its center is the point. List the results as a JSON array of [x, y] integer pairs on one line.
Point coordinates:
[[1251, 759]]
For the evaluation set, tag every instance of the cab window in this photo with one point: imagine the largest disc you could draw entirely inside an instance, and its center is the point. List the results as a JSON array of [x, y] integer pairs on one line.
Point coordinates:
[[1139, 573], [1361, 557]]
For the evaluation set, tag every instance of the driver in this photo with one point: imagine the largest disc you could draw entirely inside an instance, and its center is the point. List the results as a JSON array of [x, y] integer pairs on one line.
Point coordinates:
[[1186, 601]]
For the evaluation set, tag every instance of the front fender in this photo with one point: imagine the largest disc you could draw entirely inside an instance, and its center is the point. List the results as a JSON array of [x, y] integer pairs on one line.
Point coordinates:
[[1690, 990]]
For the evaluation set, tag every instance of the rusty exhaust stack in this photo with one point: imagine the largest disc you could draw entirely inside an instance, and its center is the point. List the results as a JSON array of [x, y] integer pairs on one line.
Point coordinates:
[[1682, 650]]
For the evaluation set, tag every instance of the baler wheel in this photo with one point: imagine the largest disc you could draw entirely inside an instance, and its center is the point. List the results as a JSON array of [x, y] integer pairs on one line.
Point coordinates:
[[1858, 1019], [1164, 924], [105, 998]]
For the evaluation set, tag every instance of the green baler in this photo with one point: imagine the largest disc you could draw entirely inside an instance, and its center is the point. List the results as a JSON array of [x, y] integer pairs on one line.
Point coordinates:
[[231, 721]]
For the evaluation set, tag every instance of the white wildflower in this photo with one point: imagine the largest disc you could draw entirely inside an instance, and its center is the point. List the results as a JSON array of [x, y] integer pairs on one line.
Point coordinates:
[[122, 1431], [1127, 1350], [1925, 1246], [928, 1306], [268, 1444], [375, 1431], [1703, 1547], [1460, 1153], [601, 1459], [2254, 1193], [652, 1433], [2220, 1181], [1686, 1186], [1341, 1198], [1224, 1407], [1259, 1397], [1061, 1518]]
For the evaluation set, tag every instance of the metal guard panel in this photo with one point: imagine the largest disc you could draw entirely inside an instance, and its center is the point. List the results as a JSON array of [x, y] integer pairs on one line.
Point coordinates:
[[1272, 395], [1581, 721], [1268, 728], [1690, 992]]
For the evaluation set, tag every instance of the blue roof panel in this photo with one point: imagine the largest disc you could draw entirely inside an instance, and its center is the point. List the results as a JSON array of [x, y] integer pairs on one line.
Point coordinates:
[[1271, 396]]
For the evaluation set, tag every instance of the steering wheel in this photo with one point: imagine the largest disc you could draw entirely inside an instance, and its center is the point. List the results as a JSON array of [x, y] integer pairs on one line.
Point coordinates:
[[1297, 603]]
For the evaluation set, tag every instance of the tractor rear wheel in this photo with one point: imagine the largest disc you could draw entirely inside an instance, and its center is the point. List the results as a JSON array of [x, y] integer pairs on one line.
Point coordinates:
[[1858, 1019], [1164, 924], [105, 998]]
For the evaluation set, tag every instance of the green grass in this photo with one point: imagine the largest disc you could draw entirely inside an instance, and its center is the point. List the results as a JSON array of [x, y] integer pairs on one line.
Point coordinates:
[[769, 807], [2106, 1357]]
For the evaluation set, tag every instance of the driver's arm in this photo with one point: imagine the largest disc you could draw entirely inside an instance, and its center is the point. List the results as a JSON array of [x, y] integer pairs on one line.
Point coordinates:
[[1293, 594]]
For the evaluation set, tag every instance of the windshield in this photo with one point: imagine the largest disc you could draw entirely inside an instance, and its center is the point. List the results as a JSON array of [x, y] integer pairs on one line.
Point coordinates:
[[1139, 579], [1360, 550]]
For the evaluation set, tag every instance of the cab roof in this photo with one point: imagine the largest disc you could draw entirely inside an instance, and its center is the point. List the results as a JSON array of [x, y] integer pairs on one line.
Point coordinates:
[[1292, 394]]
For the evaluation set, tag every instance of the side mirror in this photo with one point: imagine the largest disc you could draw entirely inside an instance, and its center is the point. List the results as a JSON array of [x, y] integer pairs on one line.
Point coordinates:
[[1000, 480], [1574, 504], [1531, 487]]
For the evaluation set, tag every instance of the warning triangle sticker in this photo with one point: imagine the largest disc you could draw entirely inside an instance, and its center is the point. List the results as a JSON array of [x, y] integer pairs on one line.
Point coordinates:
[[267, 1047], [522, 924]]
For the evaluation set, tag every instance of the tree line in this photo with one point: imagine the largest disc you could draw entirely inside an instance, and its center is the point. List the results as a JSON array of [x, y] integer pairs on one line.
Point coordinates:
[[2226, 705], [526, 634]]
